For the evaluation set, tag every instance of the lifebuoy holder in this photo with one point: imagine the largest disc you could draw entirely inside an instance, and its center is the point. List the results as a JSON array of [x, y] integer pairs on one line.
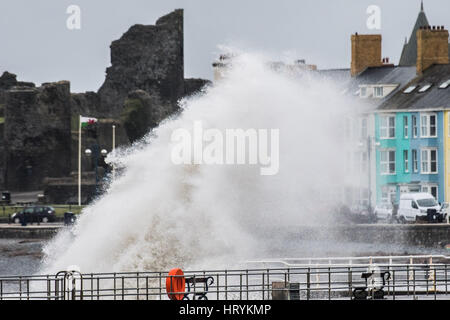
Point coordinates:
[[175, 284]]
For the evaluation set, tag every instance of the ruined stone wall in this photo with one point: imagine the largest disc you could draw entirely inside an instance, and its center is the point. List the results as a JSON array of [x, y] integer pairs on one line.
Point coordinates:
[[148, 58], [37, 132], [41, 124]]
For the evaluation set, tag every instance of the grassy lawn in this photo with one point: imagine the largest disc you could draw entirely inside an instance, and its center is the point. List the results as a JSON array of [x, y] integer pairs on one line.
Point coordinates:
[[59, 210]]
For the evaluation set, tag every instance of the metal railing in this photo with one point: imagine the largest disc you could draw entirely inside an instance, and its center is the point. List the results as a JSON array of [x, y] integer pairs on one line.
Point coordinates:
[[352, 261], [410, 281]]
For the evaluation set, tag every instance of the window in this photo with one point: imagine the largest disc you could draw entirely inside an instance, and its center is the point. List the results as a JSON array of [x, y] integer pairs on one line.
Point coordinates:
[[363, 91], [363, 162], [432, 189], [429, 161], [409, 89], [415, 161], [348, 127], [425, 88], [405, 127], [378, 92], [388, 194], [387, 127], [445, 84], [428, 125], [414, 126], [387, 162], [405, 160], [363, 128], [449, 124]]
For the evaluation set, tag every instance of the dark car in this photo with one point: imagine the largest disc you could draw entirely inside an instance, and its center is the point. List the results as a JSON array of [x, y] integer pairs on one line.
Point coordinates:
[[35, 214], [6, 197]]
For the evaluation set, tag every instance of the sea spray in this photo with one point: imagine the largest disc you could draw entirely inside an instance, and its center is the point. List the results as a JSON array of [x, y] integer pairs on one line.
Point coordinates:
[[159, 214]]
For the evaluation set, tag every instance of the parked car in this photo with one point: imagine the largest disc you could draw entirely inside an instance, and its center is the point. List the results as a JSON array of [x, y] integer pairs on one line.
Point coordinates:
[[445, 210], [418, 206], [6, 197], [383, 211], [35, 214]]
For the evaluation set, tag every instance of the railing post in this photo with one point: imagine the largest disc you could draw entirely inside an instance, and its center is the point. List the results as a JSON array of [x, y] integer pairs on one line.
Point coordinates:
[[48, 288], [350, 279], [446, 291], [407, 280], [308, 284], [240, 286], [262, 274], [329, 283], [114, 277], [393, 284], [218, 288], [73, 287], [226, 285], [246, 281]]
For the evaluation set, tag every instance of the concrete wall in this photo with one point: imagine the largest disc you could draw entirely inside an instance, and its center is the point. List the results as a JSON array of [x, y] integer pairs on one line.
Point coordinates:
[[427, 235]]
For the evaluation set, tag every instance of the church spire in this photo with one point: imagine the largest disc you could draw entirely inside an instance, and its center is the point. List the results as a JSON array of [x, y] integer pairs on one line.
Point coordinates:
[[409, 53]]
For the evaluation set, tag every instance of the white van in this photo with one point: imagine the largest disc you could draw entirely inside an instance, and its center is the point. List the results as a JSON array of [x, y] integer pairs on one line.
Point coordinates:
[[415, 205]]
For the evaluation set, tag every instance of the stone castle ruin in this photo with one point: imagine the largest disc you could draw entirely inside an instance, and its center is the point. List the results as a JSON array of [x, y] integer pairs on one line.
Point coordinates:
[[39, 125]]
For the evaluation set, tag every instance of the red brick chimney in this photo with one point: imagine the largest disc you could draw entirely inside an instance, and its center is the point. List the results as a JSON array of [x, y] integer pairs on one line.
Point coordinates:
[[432, 47], [366, 52]]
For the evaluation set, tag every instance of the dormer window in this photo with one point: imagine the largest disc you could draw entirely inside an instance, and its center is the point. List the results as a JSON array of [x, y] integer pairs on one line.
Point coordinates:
[[445, 84], [409, 89], [363, 92], [425, 88], [378, 92]]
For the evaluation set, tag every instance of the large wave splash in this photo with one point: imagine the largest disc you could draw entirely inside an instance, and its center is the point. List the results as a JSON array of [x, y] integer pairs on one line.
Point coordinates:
[[157, 215]]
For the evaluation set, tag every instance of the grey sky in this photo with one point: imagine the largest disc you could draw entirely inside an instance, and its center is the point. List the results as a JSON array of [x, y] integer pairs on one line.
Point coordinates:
[[38, 47]]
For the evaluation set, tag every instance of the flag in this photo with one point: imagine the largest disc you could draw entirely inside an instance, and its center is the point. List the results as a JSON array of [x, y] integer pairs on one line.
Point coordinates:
[[85, 121]]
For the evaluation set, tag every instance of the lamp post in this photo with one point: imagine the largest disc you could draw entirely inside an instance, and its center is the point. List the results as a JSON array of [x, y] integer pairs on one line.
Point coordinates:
[[96, 157], [113, 148]]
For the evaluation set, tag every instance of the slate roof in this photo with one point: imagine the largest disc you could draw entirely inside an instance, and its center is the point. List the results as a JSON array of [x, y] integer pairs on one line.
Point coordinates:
[[433, 98], [399, 75], [387, 74]]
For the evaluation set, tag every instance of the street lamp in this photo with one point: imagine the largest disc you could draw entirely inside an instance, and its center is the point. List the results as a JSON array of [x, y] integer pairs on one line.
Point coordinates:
[[96, 157]]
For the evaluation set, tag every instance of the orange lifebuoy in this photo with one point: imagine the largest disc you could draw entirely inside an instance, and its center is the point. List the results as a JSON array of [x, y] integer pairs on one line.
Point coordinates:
[[175, 284]]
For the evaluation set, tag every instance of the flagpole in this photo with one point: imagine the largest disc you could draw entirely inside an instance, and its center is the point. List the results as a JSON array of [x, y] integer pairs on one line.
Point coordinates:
[[113, 147], [79, 161]]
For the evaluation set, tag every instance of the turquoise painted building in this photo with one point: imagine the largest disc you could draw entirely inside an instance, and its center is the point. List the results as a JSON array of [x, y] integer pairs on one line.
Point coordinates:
[[409, 154]]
